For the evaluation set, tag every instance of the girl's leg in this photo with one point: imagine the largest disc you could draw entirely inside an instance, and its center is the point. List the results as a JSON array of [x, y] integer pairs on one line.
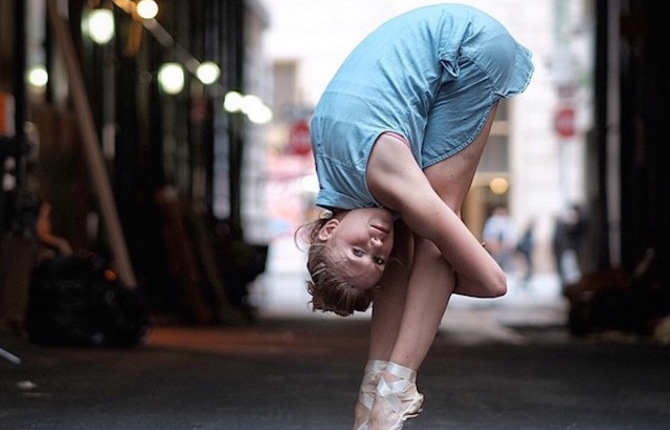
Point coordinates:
[[389, 302], [431, 283], [452, 178], [387, 311], [432, 279]]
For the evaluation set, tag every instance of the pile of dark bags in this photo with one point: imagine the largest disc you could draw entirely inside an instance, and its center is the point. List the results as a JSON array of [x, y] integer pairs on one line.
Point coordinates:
[[79, 301], [617, 300]]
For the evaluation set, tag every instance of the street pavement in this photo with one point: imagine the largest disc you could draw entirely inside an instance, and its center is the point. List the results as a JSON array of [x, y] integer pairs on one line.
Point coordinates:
[[497, 364]]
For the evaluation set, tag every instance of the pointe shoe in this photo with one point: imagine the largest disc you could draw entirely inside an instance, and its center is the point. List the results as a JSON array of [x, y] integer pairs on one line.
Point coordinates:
[[396, 400], [366, 394]]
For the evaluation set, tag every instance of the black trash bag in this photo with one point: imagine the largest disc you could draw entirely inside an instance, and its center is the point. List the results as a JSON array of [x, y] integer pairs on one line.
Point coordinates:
[[77, 301]]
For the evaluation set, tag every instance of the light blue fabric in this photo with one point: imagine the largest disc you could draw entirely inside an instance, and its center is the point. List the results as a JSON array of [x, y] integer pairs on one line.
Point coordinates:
[[430, 75]]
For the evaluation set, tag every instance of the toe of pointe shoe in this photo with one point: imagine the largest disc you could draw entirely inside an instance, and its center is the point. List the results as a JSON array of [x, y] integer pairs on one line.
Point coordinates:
[[397, 408], [415, 407]]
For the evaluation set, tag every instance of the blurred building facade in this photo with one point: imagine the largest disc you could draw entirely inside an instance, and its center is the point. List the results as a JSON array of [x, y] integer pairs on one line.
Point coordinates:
[[589, 129], [189, 158], [588, 134]]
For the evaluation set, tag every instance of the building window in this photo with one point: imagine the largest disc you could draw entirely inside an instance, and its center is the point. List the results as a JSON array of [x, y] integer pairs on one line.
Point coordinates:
[[285, 89], [496, 154]]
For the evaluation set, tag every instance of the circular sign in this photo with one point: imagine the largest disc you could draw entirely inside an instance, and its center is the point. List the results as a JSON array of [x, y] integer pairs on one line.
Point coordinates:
[[299, 142], [564, 122]]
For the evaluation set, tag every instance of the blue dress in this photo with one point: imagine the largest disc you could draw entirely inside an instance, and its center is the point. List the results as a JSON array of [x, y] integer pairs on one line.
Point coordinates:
[[430, 75]]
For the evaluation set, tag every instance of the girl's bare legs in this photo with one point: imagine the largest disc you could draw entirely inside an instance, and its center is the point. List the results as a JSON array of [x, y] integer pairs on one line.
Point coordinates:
[[389, 302], [431, 283], [420, 322], [387, 312]]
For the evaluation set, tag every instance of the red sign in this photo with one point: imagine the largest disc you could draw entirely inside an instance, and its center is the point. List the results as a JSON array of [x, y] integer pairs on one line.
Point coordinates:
[[564, 122], [299, 142]]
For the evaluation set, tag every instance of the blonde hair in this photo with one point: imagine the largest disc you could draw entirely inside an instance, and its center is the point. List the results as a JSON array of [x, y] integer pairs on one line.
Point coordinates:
[[330, 293]]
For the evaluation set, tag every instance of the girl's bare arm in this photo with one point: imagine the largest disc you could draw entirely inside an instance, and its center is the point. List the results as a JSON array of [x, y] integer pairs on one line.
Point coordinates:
[[398, 182]]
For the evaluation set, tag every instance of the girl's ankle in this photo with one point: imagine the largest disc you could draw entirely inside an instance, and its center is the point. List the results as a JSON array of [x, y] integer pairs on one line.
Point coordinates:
[[396, 371]]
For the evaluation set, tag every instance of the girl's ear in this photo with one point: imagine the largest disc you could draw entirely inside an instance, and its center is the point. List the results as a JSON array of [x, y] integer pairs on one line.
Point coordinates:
[[327, 229]]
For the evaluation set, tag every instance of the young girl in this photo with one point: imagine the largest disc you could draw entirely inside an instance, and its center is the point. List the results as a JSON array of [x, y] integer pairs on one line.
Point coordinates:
[[397, 137]]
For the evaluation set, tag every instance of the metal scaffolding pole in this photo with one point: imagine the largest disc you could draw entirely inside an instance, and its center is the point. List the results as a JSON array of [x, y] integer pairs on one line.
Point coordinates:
[[91, 146]]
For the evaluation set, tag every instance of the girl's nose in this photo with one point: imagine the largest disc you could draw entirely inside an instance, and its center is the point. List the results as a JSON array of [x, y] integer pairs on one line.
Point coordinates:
[[376, 242]]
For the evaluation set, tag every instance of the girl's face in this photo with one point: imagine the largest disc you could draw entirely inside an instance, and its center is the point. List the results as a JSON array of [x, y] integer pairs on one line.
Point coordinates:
[[360, 244]]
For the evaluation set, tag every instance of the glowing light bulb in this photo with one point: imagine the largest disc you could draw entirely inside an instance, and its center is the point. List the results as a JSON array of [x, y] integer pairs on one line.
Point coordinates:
[[171, 78], [147, 9], [208, 72], [101, 25], [38, 77]]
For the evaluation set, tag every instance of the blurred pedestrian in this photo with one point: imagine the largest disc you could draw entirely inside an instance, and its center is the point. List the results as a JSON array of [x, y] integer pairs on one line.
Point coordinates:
[[397, 137], [568, 244], [525, 248], [499, 234]]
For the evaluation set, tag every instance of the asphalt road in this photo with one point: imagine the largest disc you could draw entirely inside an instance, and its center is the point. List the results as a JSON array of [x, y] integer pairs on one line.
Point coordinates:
[[492, 367]]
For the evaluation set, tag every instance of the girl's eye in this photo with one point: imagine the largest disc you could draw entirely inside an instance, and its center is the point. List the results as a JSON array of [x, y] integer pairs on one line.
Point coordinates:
[[358, 252], [380, 261]]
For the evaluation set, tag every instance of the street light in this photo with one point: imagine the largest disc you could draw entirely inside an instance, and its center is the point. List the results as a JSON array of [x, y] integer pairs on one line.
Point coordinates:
[[260, 114], [255, 109], [171, 78], [499, 185], [38, 77], [252, 106], [208, 72], [147, 9], [232, 102], [100, 25]]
